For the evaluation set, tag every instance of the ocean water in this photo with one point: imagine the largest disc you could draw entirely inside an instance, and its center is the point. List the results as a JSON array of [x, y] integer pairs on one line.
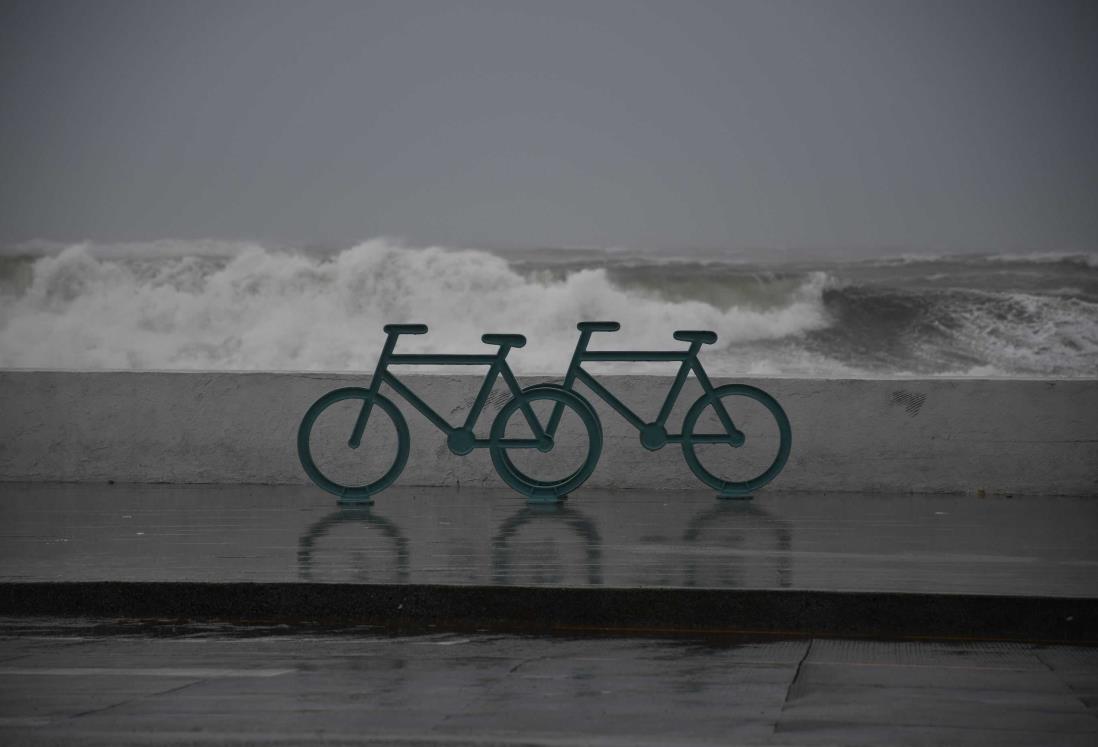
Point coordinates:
[[237, 306]]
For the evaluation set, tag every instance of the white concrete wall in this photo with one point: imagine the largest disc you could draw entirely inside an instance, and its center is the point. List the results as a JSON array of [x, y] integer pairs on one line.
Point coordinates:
[[999, 436]]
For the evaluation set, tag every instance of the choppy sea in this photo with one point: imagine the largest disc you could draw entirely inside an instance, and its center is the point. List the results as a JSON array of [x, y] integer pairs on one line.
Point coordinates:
[[240, 306]]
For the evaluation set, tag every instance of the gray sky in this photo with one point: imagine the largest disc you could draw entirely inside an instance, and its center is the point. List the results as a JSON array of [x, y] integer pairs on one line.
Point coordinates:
[[942, 125]]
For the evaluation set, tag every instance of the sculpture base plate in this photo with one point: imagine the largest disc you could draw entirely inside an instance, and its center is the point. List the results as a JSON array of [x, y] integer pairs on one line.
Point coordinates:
[[352, 502], [536, 501]]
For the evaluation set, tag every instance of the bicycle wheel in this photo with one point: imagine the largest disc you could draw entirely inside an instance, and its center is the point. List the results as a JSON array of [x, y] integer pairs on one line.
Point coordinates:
[[352, 474], [765, 439], [551, 473]]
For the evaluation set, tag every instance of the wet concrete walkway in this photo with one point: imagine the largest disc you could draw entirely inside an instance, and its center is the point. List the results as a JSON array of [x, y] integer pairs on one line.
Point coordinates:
[[73, 682], [623, 539], [1013, 573], [953, 567]]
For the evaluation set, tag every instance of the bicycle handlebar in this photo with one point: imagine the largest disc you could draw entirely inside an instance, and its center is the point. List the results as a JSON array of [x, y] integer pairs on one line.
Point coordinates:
[[405, 329], [598, 326]]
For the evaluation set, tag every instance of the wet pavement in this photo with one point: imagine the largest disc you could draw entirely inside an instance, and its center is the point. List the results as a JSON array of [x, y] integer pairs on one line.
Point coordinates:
[[76, 682], [1041, 546], [1005, 570]]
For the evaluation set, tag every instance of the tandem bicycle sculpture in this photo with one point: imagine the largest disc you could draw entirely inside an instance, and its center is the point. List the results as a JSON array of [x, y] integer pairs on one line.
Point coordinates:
[[555, 402]]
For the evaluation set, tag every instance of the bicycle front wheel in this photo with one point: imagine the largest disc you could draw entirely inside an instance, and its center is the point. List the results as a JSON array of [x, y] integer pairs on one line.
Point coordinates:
[[761, 439], [352, 473], [565, 461]]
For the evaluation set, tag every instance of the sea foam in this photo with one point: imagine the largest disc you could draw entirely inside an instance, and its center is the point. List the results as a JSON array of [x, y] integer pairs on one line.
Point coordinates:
[[219, 305]]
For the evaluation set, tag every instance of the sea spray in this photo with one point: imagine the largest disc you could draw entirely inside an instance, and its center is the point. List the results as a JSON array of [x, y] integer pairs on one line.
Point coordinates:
[[238, 305], [291, 310]]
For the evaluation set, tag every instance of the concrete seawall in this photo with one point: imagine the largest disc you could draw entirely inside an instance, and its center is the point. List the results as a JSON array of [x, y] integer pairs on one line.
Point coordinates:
[[927, 436]]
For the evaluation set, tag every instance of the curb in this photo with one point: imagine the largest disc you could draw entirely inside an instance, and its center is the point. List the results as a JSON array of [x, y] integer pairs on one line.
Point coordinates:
[[616, 611]]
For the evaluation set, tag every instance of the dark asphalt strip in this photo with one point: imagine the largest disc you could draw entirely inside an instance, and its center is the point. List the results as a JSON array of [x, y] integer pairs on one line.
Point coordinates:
[[617, 611]]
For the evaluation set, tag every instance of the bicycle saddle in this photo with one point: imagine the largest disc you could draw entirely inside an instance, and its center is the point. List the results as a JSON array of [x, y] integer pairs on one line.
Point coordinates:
[[696, 335], [514, 341]]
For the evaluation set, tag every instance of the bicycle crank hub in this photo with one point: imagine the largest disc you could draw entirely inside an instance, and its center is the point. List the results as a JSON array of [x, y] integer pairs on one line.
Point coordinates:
[[653, 436], [461, 441]]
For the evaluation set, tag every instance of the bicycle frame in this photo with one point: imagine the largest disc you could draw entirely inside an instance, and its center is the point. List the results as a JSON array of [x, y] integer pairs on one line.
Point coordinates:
[[688, 360], [461, 437]]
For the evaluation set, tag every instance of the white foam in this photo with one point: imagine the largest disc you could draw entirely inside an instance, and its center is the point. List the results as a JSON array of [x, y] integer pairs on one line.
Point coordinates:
[[1023, 332], [226, 306], [1083, 259]]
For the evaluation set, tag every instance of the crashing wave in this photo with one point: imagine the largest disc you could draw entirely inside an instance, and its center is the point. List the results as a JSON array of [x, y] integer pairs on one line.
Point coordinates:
[[253, 308]]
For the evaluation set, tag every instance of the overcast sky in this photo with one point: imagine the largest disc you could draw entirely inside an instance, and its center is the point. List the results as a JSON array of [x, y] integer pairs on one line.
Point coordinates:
[[940, 125]]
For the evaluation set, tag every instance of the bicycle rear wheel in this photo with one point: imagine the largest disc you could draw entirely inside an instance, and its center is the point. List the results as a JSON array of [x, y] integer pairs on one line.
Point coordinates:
[[352, 474], [546, 474], [766, 439]]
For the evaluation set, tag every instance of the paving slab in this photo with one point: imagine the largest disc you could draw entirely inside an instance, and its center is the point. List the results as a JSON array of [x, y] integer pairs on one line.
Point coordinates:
[[92, 682]]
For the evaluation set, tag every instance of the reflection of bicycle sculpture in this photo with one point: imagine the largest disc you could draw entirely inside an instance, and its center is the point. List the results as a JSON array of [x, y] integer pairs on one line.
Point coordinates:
[[707, 423], [307, 543], [502, 562], [751, 525]]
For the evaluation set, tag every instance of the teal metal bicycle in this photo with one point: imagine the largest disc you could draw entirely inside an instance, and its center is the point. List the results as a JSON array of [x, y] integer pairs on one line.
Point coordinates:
[[460, 439], [768, 422], [708, 422]]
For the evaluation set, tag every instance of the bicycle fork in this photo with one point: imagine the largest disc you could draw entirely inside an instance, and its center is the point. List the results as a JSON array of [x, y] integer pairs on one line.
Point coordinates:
[[569, 382], [735, 437], [375, 386], [500, 368]]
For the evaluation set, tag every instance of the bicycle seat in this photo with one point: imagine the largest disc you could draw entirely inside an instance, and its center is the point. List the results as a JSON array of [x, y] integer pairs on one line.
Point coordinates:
[[598, 326], [696, 335], [405, 329], [514, 341]]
